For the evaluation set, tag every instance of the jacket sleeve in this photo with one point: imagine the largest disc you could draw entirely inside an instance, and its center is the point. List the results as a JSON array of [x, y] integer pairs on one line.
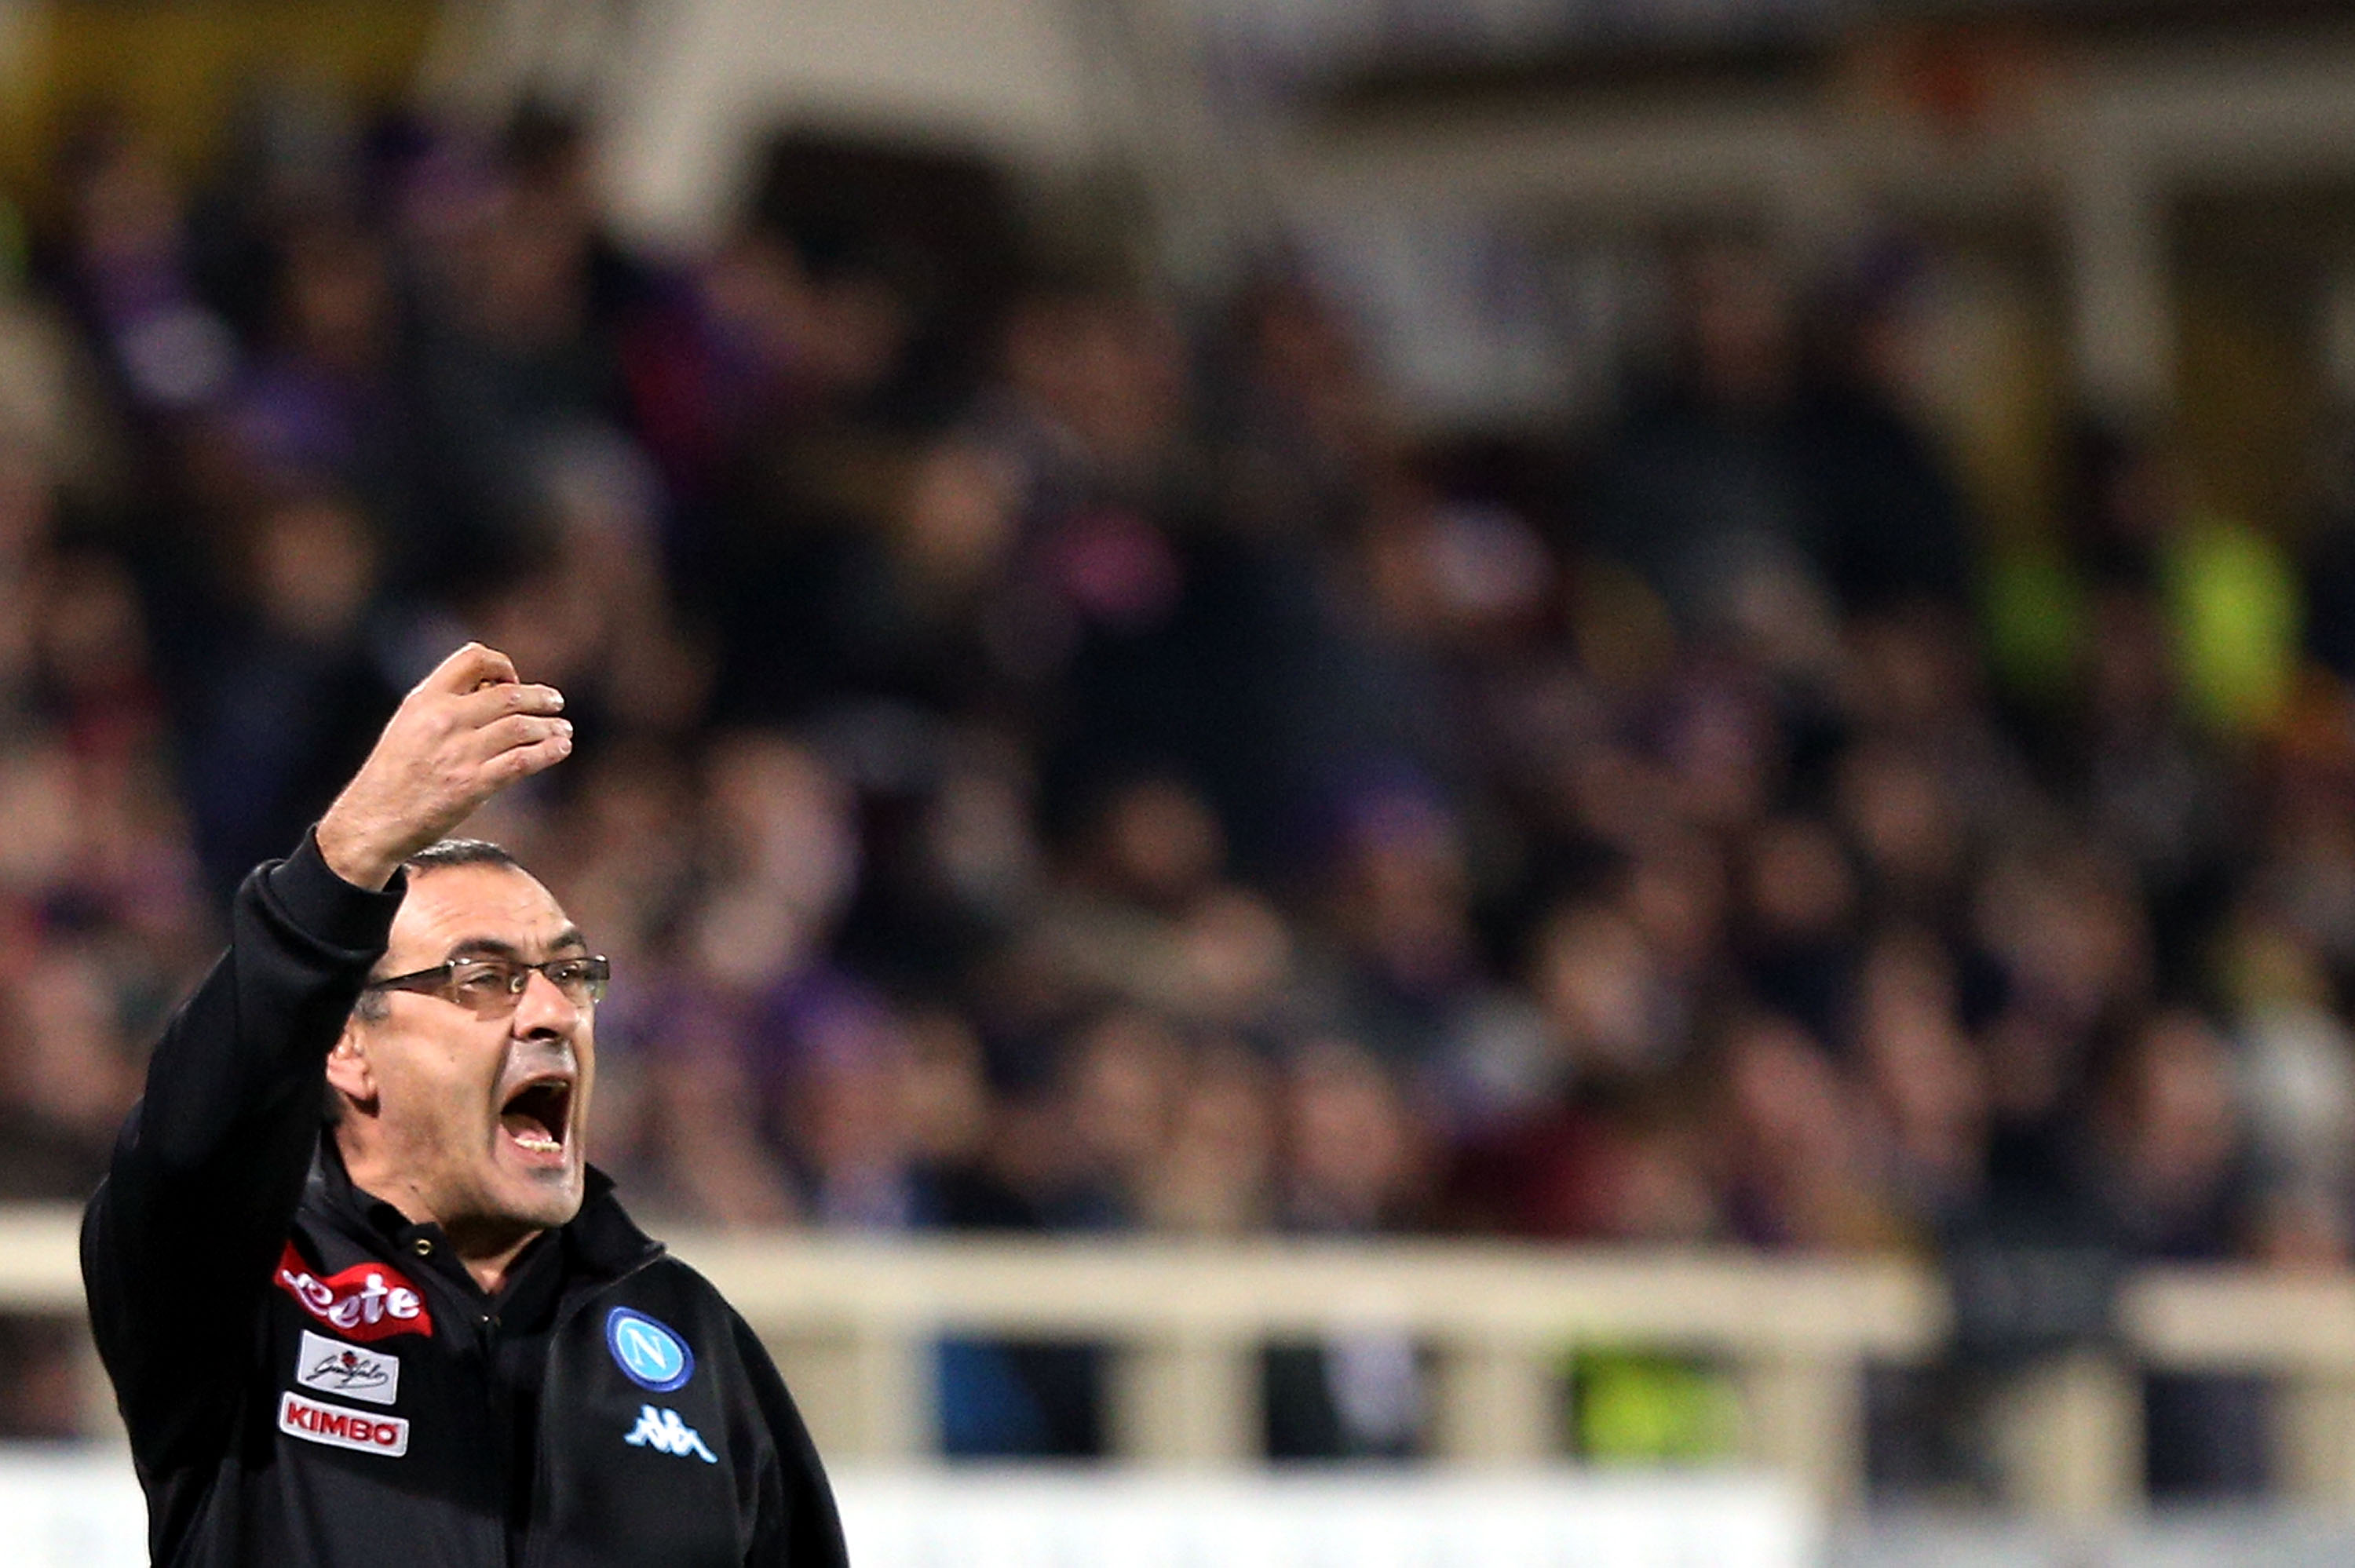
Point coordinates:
[[796, 1525], [179, 1243]]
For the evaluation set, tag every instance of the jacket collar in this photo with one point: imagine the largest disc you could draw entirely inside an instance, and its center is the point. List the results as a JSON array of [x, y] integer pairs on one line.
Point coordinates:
[[603, 1237]]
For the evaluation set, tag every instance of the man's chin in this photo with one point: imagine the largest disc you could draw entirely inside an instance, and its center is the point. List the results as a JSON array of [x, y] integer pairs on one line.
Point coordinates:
[[552, 1205], [538, 1199]]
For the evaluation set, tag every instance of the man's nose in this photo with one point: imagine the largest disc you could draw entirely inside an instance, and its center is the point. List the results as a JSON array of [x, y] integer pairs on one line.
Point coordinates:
[[543, 1011]]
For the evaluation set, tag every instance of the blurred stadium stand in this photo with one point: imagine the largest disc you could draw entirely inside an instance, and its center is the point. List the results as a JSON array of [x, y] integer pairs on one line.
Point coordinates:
[[1312, 731]]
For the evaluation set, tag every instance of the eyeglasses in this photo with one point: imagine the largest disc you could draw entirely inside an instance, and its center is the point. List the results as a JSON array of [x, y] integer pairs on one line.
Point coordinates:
[[491, 987]]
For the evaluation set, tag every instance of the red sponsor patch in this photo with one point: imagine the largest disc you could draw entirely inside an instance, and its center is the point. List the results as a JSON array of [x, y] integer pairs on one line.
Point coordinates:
[[366, 1301]]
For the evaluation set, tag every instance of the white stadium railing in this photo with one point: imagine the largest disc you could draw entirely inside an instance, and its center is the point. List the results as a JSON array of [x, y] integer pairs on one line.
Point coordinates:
[[854, 1323], [80, 1508]]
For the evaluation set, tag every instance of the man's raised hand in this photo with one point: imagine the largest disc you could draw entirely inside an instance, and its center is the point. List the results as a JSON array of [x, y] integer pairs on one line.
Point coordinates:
[[469, 730]]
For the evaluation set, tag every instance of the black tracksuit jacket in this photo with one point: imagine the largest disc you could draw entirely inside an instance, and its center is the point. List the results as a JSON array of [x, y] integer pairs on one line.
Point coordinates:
[[308, 1379]]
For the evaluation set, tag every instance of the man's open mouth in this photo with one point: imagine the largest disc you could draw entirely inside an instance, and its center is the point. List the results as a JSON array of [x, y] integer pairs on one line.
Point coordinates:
[[537, 1114]]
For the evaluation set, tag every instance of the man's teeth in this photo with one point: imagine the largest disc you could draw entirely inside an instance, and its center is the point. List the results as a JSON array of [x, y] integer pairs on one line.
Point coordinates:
[[537, 1142]]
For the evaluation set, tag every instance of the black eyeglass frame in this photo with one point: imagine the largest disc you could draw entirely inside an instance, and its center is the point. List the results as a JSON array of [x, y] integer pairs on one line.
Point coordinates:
[[441, 980]]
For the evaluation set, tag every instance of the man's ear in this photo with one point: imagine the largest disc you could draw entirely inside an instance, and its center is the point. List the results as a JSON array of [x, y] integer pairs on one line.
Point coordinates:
[[348, 1072]]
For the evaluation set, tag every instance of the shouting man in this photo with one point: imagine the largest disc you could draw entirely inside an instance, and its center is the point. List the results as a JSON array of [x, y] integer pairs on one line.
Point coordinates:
[[424, 1329]]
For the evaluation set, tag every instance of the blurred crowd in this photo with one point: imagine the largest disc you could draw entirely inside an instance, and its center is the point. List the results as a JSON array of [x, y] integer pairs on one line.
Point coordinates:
[[1057, 756]]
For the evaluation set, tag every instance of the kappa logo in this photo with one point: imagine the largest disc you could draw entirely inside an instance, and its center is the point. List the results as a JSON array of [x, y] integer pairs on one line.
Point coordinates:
[[664, 1433], [366, 1301], [335, 1368], [316, 1421]]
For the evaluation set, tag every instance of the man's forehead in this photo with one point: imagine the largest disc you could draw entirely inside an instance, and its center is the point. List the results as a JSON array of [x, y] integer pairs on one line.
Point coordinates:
[[452, 904]]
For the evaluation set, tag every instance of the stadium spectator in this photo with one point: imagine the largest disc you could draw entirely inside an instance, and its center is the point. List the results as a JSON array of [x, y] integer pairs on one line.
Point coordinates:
[[1055, 754]]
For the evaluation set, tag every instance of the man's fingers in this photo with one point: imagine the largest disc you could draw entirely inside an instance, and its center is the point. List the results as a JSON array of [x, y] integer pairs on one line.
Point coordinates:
[[520, 730], [469, 667], [491, 704], [469, 730], [523, 761]]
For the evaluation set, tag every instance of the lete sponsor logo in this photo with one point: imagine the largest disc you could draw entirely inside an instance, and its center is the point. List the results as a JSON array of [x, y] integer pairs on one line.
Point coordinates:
[[366, 1301], [333, 1367], [316, 1421]]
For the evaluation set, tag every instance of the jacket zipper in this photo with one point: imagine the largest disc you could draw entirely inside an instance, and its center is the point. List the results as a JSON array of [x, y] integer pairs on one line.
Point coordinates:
[[536, 1546]]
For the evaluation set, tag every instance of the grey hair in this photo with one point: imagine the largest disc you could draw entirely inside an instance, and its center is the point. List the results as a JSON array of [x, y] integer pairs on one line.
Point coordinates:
[[444, 855], [451, 852]]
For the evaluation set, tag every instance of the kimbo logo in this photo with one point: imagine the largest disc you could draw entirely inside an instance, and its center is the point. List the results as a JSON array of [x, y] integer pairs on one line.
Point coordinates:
[[340, 1428]]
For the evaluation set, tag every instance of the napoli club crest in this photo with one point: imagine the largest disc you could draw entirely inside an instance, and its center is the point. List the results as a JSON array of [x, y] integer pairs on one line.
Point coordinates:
[[648, 1352]]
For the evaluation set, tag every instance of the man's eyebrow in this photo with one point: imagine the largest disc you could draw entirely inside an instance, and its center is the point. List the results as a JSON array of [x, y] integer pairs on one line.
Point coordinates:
[[493, 947], [483, 947]]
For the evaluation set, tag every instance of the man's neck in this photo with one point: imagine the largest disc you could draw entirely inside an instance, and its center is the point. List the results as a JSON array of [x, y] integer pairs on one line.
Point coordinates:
[[487, 1247], [489, 1250]]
